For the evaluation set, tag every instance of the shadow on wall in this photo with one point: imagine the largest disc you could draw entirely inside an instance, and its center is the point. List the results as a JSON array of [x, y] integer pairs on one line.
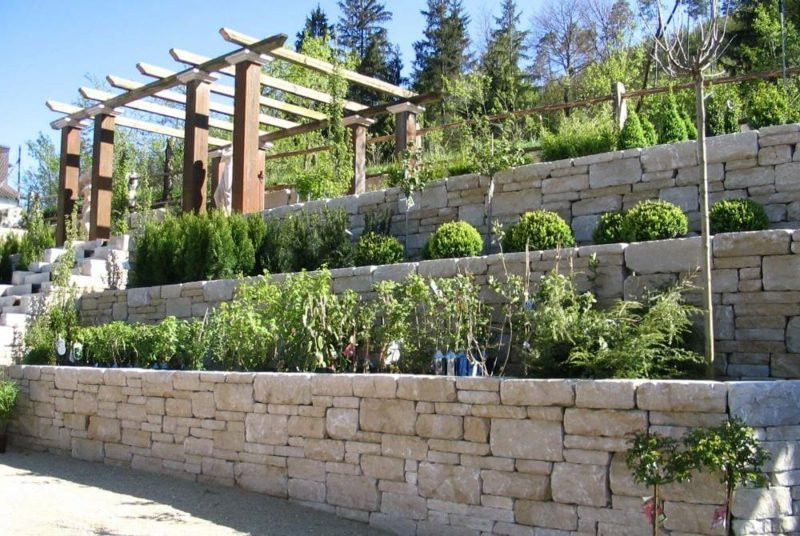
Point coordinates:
[[234, 508]]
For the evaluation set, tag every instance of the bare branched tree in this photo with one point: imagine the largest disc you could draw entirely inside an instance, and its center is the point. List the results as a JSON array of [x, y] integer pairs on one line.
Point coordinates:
[[678, 56]]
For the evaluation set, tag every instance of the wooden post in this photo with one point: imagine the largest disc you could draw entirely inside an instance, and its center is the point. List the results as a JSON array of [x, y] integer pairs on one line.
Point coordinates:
[[619, 104], [358, 127], [195, 145], [405, 126], [69, 171], [247, 190], [102, 170], [216, 176]]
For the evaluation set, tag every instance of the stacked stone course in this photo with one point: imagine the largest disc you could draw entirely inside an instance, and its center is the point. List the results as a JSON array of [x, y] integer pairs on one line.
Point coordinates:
[[756, 283], [420, 455]]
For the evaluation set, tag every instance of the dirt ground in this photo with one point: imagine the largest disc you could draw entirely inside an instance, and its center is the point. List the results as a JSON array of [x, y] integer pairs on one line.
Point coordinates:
[[43, 494]]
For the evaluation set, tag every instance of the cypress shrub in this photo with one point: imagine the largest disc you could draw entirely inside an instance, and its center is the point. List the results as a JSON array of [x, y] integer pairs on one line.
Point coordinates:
[[632, 134], [244, 252], [649, 130]]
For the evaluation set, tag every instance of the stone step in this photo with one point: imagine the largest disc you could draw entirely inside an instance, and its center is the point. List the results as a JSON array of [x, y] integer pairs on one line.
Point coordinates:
[[18, 276], [37, 279], [4, 290], [39, 267], [94, 268], [7, 337], [52, 254], [19, 290], [23, 304], [14, 319], [105, 251], [120, 242], [9, 300]]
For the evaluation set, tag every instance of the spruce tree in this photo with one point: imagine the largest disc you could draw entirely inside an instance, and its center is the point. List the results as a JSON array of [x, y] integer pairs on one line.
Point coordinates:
[[502, 58], [316, 25], [443, 51]]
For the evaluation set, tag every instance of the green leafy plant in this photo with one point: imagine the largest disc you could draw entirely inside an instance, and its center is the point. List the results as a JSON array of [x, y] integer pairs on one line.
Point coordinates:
[[723, 110], [654, 220], [376, 249], [38, 237], [609, 228], [378, 221], [667, 119], [632, 134], [732, 449], [8, 400], [454, 239], [538, 229], [578, 136], [735, 215], [689, 125], [10, 246], [655, 460], [767, 105]]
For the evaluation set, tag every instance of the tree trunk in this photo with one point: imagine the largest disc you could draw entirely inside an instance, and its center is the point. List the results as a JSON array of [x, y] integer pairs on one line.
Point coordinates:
[[705, 231], [167, 179]]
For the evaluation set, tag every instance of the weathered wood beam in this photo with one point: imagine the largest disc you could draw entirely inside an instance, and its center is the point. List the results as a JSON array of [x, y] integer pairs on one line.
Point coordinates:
[[405, 125], [195, 146], [247, 190], [208, 66], [318, 65], [358, 129], [102, 171], [69, 170], [191, 58], [220, 89]]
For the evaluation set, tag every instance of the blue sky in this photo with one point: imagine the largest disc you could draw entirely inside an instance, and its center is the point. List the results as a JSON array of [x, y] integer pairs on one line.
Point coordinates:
[[50, 46]]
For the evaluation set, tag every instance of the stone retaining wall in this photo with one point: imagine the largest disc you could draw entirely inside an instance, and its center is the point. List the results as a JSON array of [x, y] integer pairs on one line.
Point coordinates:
[[760, 165], [756, 284], [420, 455]]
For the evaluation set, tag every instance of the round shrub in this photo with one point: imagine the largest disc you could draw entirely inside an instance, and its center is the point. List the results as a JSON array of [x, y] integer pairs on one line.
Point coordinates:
[[609, 228], [373, 249], [540, 229], [454, 239], [732, 215], [654, 220]]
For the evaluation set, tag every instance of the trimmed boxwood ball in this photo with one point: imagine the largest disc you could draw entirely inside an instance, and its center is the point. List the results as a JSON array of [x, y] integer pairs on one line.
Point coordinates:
[[454, 239], [654, 220], [539, 229], [375, 249], [732, 215], [609, 228]]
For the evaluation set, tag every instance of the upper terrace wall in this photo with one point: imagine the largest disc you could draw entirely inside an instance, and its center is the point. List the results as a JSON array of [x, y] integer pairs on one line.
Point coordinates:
[[756, 290], [761, 165]]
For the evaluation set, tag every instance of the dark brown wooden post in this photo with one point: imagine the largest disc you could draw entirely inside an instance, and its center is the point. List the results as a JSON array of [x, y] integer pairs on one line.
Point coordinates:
[[247, 190], [216, 177], [405, 126], [195, 145], [102, 171], [358, 129], [69, 171]]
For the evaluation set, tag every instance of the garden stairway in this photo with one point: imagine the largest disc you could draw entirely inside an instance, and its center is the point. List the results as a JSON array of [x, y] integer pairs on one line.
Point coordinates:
[[95, 260]]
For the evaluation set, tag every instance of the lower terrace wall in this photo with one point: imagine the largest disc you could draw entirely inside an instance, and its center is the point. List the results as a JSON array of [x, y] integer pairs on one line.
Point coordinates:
[[761, 165], [756, 282], [420, 455]]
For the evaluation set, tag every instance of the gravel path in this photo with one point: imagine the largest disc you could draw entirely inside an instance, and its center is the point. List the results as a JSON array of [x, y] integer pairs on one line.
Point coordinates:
[[43, 494]]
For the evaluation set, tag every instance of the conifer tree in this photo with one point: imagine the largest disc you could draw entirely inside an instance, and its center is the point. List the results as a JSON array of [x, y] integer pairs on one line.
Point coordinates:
[[316, 25], [502, 58], [443, 51]]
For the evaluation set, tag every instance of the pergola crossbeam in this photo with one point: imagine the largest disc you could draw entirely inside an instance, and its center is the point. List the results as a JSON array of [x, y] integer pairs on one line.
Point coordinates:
[[318, 65], [190, 58]]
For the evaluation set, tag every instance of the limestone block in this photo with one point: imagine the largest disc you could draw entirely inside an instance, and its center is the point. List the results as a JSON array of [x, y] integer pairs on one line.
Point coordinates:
[[572, 183], [537, 392], [676, 255], [616, 172], [404, 506], [793, 335], [394, 272], [265, 479], [516, 485], [341, 423], [306, 490], [217, 468], [687, 518], [104, 429], [686, 197], [575, 483], [326, 450], [547, 515], [787, 177], [775, 154], [306, 469], [426, 388], [669, 156], [203, 405], [66, 378], [527, 439], [597, 205], [449, 483], [179, 307], [747, 178], [781, 272], [133, 412], [233, 397], [438, 268], [476, 429], [516, 203], [772, 242], [762, 503], [472, 214], [374, 386], [732, 147], [584, 226], [388, 416], [283, 388], [599, 422], [636, 286], [301, 426], [267, 429], [411, 448], [357, 492], [138, 297], [440, 426], [157, 383], [723, 322], [681, 395], [383, 467], [432, 197], [230, 440], [765, 403], [86, 449], [601, 394]]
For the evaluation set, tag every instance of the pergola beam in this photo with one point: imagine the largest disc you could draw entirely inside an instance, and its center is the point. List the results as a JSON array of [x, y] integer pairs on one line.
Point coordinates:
[[190, 58], [208, 66], [154, 71], [318, 65], [127, 122], [172, 96]]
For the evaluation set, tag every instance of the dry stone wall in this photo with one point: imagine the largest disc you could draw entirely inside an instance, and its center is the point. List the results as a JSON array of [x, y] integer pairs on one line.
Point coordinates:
[[420, 455], [756, 283], [760, 165]]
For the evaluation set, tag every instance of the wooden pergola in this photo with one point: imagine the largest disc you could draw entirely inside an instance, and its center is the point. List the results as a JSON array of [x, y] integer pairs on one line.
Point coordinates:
[[201, 79]]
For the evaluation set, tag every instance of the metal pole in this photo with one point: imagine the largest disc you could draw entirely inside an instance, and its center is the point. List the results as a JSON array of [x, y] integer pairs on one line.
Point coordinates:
[[19, 172], [783, 39]]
